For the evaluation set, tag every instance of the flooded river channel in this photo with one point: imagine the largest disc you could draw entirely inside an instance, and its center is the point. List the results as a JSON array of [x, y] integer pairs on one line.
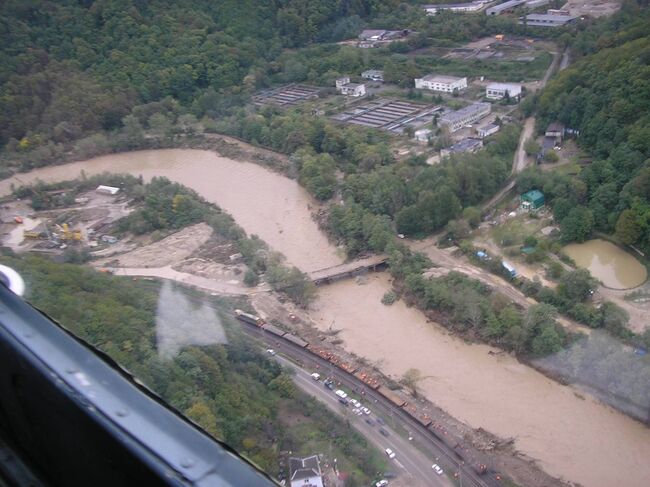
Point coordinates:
[[608, 263], [576, 438]]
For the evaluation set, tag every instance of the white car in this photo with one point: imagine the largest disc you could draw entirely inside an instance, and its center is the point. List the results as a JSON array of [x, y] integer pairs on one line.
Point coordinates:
[[315, 376], [270, 351], [390, 453], [382, 483], [355, 403], [436, 468], [341, 394], [365, 410]]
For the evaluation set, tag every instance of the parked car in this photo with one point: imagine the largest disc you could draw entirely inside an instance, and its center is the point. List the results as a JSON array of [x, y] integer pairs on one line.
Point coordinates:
[[436, 468], [365, 411], [343, 401], [355, 403], [383, 432], [380, 421], [390, 453], [315, 376], [270, 351], [370, 421], [382, 483], [341, 394]]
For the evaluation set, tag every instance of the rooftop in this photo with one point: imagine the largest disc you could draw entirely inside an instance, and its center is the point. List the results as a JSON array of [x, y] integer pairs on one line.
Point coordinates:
[[302, 468], [503, 86], [463, 112], [550, 18], [441, 78], [465, 145], [489, 127], [371, 72], [506, 5], [442, 6], [555, 127]]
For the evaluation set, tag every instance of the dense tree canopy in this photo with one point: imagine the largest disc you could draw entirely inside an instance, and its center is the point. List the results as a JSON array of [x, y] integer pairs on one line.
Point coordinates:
[[606, 97]]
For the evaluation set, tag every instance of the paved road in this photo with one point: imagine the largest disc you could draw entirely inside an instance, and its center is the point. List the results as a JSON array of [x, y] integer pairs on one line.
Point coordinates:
[[412, 466], [378, 404]]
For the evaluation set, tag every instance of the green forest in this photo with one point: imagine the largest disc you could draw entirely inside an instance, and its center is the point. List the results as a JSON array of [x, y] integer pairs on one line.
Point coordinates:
[[606, 96], [233, 391]]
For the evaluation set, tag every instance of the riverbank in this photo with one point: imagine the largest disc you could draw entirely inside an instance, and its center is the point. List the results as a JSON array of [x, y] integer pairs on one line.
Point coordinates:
[[569, 436]]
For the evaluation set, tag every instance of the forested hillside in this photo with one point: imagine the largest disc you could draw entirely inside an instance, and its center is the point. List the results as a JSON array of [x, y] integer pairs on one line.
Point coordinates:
[[231, 389], [71, 67], [606, 96]]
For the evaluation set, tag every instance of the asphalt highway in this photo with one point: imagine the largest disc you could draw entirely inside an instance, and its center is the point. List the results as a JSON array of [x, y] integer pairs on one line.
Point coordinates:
[[409, 463]]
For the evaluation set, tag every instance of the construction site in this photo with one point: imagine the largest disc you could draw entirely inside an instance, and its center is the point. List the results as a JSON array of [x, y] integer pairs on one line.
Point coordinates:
[[84, 224]]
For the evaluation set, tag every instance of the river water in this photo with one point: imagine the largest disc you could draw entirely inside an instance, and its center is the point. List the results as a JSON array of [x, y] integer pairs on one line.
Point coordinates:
[[610, 264], [262, 202], [578, 439]]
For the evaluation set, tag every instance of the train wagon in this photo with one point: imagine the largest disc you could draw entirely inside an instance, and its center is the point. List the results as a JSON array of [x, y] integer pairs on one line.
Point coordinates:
[[248, 318], [391, 396], [295, 340], [273, 329]]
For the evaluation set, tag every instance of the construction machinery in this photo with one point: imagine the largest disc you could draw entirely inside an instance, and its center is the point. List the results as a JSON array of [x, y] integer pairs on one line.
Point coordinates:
[[67, 234], [31, 234]]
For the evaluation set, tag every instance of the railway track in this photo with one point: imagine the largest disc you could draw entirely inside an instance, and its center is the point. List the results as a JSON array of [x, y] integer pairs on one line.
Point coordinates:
[[306, 358]]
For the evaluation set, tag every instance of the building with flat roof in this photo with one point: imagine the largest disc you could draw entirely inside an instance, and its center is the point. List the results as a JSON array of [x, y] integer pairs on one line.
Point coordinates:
[[373, 75], [305, 472], [438, 82], [547, 20], [488, 130], [496, 91], [555, 130], [433, 9], [465, 145], [465, 116], [504, 7], [344, 87]]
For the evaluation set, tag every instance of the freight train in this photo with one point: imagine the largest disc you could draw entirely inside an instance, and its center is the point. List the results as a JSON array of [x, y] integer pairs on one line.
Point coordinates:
[[464, 455]]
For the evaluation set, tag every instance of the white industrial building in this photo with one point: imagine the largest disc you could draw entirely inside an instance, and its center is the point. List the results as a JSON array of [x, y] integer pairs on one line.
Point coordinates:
[[504, 7], [465, 116], [433, 9], [344, 87], [436, 82], [107, 190], [547, 20], [488, 130], [496, 91]]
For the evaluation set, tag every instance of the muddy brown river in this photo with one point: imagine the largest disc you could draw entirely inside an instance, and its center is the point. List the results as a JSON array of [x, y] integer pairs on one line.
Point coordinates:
[[608, 263], [575, 438]]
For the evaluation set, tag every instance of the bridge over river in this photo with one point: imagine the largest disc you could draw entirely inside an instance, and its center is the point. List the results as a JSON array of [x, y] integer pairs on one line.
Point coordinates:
[[349, 269]]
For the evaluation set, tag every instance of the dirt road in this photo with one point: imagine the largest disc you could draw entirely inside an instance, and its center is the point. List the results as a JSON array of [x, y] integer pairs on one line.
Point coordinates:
[[226, 288]]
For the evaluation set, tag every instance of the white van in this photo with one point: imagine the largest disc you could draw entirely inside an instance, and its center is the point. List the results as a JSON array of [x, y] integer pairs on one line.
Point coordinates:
[[341, 394]]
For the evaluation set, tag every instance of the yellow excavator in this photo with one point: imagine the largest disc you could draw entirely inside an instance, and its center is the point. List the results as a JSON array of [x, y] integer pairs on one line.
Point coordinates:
[[67, 234]]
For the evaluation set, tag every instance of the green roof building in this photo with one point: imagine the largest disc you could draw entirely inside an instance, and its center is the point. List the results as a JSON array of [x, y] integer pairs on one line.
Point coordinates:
[[532, 200]]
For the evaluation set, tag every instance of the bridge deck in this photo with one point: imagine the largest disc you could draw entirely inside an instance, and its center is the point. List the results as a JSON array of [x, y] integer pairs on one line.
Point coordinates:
[[346, 270]]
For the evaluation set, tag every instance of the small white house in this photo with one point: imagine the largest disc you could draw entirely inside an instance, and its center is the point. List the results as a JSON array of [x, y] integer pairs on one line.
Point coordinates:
[[445, 84], [488, 130], [344, 87], [496, 91], [107, 190], [423, 135]]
